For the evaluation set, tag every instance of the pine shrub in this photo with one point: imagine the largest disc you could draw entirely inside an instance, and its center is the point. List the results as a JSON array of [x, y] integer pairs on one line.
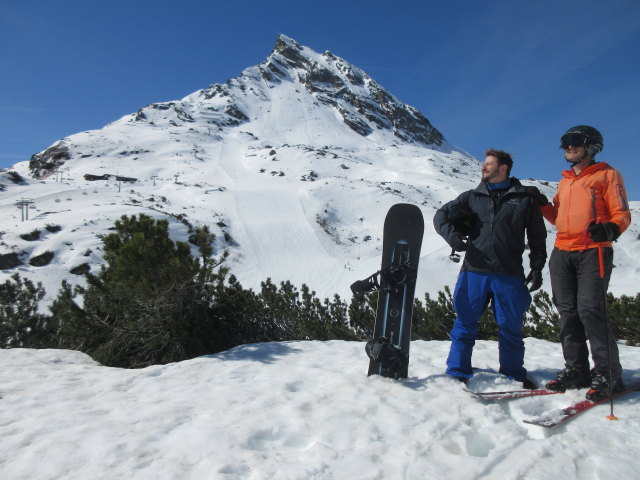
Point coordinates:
[[21, 325]]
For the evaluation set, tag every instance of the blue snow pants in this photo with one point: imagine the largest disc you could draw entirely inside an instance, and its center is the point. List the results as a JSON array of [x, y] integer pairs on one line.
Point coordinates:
[[511, 300]]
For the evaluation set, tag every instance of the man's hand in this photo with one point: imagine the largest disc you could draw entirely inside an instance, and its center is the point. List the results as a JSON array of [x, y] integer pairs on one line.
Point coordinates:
[[539, 197], [458, 244], [535, 279], [603, 232]]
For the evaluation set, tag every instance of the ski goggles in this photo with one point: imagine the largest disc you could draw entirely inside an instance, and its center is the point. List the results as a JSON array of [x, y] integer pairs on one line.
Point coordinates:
[[573, 140]]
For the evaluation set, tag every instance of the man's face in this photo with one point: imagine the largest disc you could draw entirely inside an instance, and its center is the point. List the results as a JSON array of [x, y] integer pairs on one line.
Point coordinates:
[[492, 172], [575, 154]]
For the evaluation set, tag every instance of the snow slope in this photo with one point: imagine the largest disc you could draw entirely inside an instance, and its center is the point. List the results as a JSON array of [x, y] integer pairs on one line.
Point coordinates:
[[300, 410]]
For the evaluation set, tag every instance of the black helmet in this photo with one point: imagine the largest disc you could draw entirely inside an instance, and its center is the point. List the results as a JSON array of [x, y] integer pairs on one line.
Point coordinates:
[[583, 135]]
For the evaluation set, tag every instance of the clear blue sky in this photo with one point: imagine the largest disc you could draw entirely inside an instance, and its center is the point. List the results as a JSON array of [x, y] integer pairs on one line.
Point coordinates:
[[508, 74]]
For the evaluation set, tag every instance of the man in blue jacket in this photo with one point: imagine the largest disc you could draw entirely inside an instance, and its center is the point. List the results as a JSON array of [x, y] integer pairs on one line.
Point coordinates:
[[498, 213]]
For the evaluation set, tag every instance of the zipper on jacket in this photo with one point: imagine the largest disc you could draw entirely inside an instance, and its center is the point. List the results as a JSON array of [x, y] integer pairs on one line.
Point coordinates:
[[593, 204], [594, 219], [569, 201]]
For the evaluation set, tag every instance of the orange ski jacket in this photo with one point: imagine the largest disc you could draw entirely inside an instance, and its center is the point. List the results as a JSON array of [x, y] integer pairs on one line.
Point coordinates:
[[596, 195]]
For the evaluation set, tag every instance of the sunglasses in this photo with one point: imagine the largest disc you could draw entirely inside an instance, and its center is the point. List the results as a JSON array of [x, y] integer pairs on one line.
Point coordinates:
[[573, 140]]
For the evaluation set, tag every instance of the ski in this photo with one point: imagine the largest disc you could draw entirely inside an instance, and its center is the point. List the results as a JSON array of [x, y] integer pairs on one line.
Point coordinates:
[[561, 416], [510, 394]]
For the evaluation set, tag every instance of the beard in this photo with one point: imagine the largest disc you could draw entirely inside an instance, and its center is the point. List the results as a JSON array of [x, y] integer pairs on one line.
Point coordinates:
[[575, 161], [488, 176]]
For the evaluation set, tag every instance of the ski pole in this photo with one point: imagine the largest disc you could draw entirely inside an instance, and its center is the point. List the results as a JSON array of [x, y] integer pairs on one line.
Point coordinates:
[[588, 240], [611, 416]]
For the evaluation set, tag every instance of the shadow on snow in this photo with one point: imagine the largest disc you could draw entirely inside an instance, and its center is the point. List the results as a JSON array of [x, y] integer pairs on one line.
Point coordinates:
[[267, 352]]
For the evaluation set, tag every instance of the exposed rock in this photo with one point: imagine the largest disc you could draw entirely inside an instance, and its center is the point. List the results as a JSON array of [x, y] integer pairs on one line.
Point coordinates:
[[291, 51], [45, 163], [15, 177]]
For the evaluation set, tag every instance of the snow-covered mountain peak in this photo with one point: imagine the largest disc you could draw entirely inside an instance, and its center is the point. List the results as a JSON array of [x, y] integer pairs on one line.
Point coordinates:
[[363, 104], [312, 98], [296, 73]]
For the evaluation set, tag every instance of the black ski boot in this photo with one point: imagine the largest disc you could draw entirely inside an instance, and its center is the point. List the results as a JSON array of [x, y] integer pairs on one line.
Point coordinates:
[[464, 380], [600, 388], [529, 385], [569, 378]]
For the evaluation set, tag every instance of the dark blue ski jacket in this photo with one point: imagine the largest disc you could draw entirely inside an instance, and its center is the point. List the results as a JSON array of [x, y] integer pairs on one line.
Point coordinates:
[[497, 237]]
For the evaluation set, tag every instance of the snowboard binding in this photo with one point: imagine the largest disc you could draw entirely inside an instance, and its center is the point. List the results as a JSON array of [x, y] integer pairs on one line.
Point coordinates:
[[389, 356], [392, 278]]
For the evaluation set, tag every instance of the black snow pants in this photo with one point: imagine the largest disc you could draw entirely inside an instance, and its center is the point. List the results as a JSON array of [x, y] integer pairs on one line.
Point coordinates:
[[579, 295]]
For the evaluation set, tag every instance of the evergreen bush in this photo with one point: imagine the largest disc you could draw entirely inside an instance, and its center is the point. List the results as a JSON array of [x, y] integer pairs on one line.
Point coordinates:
[[20, 323], [150, 302]]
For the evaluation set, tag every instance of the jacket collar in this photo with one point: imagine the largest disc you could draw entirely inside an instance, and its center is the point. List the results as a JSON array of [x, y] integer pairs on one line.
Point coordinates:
[[594, 167], [516, 186]]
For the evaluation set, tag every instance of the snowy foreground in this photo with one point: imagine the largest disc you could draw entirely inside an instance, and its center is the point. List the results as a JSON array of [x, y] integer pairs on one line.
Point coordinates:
[[299, 410]]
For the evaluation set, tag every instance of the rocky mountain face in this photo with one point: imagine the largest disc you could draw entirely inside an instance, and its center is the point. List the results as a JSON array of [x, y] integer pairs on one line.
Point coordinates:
[[359, 102]]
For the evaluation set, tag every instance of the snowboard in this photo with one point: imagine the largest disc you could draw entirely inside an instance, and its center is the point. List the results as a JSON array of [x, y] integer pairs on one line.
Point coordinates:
[[395, 283]]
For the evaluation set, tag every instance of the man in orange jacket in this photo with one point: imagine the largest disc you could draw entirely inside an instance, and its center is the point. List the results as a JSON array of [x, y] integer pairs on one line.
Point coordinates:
[[590, 211]]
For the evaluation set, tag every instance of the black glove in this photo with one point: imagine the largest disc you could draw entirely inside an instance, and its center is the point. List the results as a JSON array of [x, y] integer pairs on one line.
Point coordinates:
[[535, 278], [462, 219], [458, 244], [539, 197], [603, 232]]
